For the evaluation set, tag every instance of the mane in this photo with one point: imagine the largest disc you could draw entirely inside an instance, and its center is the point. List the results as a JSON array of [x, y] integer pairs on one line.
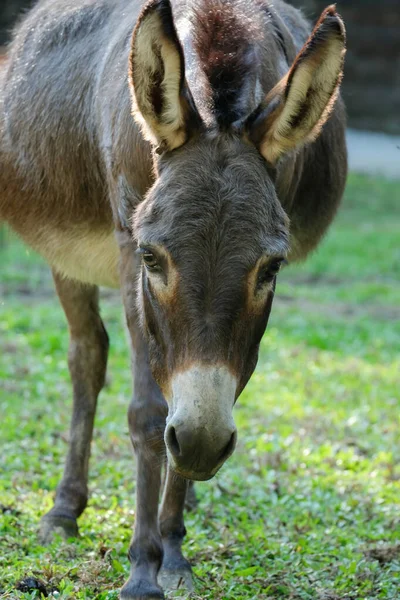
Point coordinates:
[[226, 33]]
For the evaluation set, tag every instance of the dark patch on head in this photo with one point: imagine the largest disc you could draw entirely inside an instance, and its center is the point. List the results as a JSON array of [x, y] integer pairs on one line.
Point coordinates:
[[224, 39]]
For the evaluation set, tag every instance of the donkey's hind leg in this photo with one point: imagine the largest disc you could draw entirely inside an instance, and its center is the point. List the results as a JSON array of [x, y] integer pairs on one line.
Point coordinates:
[[87, 360]]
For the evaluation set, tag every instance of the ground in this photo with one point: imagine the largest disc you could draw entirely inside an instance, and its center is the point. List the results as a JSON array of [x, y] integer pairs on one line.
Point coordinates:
[[307, 508]]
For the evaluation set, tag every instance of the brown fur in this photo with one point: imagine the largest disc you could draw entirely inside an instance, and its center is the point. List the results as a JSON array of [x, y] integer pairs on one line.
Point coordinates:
[[225, 41], [110, 141]]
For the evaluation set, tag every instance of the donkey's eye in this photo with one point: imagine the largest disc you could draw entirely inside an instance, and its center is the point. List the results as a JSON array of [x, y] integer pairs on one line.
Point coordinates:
[[268, 272], [150, 260], [275, 265]]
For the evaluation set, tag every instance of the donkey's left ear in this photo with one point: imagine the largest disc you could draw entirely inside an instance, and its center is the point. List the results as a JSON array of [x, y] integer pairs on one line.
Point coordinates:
[[295, 110], [162, 102]]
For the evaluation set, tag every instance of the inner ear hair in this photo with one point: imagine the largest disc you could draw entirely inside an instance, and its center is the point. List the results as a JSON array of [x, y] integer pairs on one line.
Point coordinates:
[[161, 100], [295, 110]]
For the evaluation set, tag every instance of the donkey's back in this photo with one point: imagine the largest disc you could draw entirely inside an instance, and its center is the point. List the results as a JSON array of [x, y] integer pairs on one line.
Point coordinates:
[[53, 151]]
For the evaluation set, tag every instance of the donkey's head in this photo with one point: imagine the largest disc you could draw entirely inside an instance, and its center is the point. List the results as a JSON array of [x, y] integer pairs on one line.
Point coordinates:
[[211, 231]]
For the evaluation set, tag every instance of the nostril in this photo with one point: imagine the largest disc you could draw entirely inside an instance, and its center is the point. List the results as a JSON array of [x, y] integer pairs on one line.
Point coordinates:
[[172, 442], [229, 448]]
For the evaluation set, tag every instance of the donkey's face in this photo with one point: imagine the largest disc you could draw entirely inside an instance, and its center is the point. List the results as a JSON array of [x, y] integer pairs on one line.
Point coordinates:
[[212, 235], [212, 232]]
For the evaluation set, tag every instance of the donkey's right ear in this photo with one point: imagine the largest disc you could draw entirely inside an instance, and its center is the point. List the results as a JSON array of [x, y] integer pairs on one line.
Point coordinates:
[[295, 110], [162, 102]]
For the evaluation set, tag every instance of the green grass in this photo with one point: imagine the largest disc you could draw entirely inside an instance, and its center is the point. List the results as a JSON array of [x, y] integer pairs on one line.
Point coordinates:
[[309, 505]]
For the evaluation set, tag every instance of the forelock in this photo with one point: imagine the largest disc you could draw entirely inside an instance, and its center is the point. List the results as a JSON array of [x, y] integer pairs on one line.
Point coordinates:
[[217, 188], [226, 33]]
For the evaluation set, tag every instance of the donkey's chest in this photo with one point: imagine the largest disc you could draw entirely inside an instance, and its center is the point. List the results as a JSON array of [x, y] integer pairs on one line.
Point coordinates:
[[85, 255]]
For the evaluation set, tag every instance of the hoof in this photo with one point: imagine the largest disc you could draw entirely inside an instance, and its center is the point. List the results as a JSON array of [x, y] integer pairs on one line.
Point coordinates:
[[176, 578], [53, 524], [141, 590]]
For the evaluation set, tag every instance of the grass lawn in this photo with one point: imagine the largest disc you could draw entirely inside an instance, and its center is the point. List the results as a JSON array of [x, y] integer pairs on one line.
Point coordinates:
[[309, 505]]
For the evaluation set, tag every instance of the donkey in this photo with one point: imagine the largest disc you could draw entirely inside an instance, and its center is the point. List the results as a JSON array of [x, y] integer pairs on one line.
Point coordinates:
[[183, 152]]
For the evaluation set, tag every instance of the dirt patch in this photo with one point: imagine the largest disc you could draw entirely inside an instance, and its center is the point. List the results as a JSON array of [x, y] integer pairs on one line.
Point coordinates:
[[329, 596], [384, 553], [333, 280], [342, 309]]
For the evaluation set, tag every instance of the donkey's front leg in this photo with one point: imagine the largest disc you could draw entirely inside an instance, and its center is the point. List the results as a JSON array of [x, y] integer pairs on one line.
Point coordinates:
[[147, 416], [176, 571]]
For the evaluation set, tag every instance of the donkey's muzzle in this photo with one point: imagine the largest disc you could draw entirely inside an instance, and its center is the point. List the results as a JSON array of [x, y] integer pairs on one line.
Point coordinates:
[[193, 455], [200, 433]]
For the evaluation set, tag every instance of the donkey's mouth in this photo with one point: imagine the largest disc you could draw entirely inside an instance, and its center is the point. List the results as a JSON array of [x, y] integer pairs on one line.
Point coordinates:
[[193, 475]]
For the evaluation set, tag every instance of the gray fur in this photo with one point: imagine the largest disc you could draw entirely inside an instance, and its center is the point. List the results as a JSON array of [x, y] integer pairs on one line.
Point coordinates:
[[75, 169]]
